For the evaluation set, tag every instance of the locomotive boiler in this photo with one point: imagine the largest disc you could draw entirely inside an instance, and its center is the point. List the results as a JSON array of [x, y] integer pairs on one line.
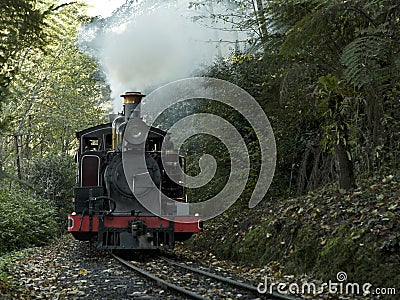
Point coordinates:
[[106, 211]]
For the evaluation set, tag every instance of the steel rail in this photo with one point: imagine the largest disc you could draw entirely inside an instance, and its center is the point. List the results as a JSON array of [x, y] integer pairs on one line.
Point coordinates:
[[232, 282], [160, 281]]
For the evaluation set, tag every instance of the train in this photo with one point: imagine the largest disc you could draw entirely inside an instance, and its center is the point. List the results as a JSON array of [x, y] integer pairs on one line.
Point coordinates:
[[106, 211]]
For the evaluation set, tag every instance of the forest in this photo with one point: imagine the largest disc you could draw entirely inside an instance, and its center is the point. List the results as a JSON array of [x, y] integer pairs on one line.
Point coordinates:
[[326, 72], [48, 91]]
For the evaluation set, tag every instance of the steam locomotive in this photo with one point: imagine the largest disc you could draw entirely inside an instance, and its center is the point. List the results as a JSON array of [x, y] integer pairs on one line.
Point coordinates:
[[106, 211]]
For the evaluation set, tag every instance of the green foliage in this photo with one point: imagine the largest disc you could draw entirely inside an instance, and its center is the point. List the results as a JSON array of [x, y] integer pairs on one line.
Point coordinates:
[[324, 77], [261, 76], [48, 91], [330, 87], [53, 93], [26, 220], [363, 58], [335, 108], [345, 55], [53, 178], [50, 99], [21, 27], [207, 144]]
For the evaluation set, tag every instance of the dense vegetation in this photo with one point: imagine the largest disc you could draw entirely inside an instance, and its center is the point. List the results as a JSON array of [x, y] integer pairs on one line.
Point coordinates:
[[326, 73], [26, 220], [46, 83]]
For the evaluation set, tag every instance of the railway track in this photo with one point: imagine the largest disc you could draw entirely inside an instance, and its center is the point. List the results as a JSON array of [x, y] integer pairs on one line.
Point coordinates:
[[209, 280]]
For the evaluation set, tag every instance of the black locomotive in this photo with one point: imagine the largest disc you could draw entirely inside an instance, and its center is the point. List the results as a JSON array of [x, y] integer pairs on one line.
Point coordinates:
[[105, 209]]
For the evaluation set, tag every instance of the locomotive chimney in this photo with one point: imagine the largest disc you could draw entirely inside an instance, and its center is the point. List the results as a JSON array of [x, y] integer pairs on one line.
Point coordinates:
[[131, 101]]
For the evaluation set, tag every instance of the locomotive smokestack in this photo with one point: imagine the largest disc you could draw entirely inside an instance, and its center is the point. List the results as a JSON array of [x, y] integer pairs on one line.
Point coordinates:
[[131, 101]]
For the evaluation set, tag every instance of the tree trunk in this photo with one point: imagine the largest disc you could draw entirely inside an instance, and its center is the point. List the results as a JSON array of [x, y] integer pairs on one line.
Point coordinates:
[[17, 157], [1, 153], [346, 172]]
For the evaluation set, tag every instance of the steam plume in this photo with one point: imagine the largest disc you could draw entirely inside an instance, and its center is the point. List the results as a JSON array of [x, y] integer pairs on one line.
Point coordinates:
[[155, 44]]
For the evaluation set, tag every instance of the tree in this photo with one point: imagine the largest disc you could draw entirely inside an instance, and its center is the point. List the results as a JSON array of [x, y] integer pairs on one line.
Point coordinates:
[[329, 71], [21, 28], [56, 92], [327, 38]]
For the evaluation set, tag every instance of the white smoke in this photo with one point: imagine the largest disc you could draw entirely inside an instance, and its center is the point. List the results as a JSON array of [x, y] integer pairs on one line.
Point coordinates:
[[157, 44]]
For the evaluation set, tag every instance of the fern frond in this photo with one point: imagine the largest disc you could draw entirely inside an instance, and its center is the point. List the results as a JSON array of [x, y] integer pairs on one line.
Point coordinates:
[[366, 60]]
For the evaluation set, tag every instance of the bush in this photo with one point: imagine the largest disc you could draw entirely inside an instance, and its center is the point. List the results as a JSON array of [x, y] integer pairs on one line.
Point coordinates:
[[53, 177], [25, 220]]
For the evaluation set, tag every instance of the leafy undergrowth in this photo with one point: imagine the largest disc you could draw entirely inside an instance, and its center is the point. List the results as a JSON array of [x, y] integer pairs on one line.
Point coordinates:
[[26, 220], [320, 234]]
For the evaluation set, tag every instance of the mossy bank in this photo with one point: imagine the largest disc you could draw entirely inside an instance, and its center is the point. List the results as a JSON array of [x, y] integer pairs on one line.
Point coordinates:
[[321, 234]]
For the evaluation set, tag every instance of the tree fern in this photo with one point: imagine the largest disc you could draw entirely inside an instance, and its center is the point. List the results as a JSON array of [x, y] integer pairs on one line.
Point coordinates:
[[366, 59]]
